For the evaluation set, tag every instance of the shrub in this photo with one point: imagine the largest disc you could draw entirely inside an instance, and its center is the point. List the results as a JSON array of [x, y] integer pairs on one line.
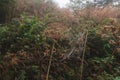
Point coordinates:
[[24, 34]]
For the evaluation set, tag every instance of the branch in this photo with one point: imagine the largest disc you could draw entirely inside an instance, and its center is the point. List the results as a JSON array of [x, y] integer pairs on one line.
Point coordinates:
[[50, 61], [82, 65]]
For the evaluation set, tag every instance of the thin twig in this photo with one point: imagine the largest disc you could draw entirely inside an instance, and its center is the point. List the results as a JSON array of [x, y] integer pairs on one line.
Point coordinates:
[[82, 65], [69, 54], [50, 61], [73, 49]]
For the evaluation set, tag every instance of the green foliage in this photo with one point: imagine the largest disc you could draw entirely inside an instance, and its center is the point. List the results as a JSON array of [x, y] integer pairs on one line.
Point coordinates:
[[117, 78], [24, 34], [105, 76], [22, 75]]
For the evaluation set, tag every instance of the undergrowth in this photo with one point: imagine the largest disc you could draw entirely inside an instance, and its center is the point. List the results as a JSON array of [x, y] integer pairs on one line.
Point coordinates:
[[25, 48]]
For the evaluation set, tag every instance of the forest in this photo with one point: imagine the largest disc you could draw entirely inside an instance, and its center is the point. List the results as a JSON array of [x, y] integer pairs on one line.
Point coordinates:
[[41, 41]]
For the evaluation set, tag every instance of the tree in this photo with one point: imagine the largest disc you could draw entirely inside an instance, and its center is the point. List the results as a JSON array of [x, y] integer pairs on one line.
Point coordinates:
[[99, 3], [78, 4], [6, 7]]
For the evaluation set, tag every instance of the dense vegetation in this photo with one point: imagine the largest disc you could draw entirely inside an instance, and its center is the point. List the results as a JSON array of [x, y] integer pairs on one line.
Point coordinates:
[[40, 41]]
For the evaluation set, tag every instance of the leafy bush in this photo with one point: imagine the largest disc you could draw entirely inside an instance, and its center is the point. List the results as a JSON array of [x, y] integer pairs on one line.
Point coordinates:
[[25, 34]]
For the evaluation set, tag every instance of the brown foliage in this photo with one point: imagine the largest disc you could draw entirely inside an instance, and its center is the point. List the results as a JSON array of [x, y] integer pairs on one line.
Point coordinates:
[[111, 32], [100, 13], [57, 31], [37, 8]]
